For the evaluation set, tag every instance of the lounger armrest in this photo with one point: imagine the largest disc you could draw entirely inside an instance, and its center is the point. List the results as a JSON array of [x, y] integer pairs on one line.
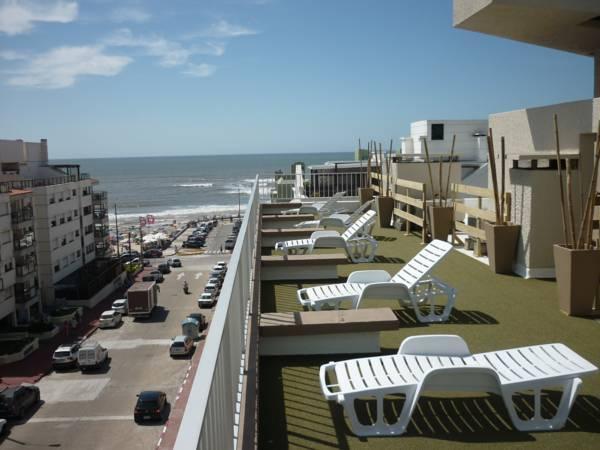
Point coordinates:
[[332, 222], [369, 276], [325, 233], [324, 388], [382, 290], [435, 345]]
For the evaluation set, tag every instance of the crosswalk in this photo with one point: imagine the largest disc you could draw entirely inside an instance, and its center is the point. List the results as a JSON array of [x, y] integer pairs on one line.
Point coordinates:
[[216, 252]]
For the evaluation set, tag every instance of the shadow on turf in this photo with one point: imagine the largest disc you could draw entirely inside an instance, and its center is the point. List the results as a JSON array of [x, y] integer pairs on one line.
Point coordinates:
[[407, 317], [294, 413]]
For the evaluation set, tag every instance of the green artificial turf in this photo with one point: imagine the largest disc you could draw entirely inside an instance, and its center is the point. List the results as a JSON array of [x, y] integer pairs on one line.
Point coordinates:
[[492, 312]]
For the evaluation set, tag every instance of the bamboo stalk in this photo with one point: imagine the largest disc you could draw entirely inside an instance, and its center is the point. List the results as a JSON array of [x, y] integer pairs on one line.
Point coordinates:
[[429, 170], [560, 181], [585, 231], [492, 162], [503, 173], [389, 165], [449, 170], [440, 176], [571, 217]]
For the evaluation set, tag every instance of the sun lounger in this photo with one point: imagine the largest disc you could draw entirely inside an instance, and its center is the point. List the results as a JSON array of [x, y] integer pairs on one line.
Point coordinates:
[[338, 220], [444, 363], [412, 285], [327, 207], [359, 246]]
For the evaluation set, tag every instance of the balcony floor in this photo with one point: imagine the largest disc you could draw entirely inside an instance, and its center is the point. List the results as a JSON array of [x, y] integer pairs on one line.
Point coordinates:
[[492, 312]]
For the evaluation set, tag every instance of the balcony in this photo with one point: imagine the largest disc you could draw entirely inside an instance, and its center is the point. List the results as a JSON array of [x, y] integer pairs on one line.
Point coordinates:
[[99, 196], [23, 243], [22, 215], [235, 390], [26, 295], [87, 210], [101, 233], [26, 269], [100, 213]]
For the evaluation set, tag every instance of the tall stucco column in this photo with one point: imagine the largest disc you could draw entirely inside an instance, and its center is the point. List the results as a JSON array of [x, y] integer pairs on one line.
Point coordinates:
[[597, 73]]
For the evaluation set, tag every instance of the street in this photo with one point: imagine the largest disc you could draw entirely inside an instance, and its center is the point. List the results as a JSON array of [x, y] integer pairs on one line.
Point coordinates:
[[95, 410]]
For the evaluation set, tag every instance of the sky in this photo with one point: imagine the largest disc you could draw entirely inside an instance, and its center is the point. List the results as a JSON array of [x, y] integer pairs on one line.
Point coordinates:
[[111, 78]]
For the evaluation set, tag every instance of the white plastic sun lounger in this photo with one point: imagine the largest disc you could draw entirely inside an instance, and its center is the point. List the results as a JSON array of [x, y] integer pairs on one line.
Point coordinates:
[[338, 220], [359, 246], [444, 363], [412, 285], [327, 207]]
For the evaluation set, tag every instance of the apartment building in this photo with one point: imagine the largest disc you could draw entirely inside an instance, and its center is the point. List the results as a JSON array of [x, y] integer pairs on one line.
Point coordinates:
[[7, 261], [62, 230]]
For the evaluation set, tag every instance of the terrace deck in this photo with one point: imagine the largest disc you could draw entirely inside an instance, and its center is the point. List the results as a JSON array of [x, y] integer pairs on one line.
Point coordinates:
[[492, 312]]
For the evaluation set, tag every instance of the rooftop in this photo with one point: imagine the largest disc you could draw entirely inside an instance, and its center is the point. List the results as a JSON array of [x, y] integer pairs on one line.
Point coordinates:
[[492, 312]]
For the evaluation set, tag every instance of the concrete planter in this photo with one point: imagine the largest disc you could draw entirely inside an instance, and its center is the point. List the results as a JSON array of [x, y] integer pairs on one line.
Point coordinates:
[[441, 221], [20, 355], [385, 209], [46, 334], [577, 279], [365, 194], [501, 246]]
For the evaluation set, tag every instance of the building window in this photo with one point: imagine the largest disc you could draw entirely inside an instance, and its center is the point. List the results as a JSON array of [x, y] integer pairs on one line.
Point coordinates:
[[56, 267], [75, 212], [79, 253], [8, 266], [54, 243], [53, 223], [437, 131], [74, 192], [52, 200], [62, 220], [69, 219], [76, 233]]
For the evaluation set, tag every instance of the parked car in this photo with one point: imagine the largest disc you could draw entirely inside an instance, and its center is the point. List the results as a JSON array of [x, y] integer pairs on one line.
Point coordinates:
[[155, 275], [218, 272], [216, 281], [229, 244], [110, 319], [200, 318], [181, 345], [150, 405], [146, 263], [193, 244], [222, 264], [153, 253], [174, 262], [121, 305], [16, 400], [65, 356], [206, 300], [164, 268], [91, 355]]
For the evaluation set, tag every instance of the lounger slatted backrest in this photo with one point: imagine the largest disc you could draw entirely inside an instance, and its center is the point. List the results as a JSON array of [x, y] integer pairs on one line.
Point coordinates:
[[354, 229], [360, 211], [422, 263], [329, 204]]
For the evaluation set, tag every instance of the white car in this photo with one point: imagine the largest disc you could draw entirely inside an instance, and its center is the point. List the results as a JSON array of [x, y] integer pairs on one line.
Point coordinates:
[[206, 300], [218, 272], [222, 264], [181, 345], [110, 319], [120, 305]]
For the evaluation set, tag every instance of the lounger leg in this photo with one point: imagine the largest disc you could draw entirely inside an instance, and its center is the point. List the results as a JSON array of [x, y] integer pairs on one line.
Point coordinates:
[[434, 288], [380, 427], [537, 422]]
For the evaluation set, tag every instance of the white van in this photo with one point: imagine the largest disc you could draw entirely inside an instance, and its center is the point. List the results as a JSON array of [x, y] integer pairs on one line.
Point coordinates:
[[91, 355]]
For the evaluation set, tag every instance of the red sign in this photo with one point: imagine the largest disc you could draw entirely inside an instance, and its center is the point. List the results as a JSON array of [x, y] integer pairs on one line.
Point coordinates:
[[149, 219], [142, 221]]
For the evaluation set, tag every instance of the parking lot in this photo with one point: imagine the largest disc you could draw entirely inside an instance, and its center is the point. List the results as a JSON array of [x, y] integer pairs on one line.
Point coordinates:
[[95, 409]]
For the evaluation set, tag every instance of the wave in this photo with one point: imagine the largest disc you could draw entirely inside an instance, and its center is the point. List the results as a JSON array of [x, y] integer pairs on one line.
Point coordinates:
[[201, 185], [190, 211], [262, 182]]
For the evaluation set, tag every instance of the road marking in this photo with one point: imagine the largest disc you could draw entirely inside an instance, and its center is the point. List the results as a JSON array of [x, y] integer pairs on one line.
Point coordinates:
[[58, 391], [198, 275], [126, 344], [77, 419], [180, 276]]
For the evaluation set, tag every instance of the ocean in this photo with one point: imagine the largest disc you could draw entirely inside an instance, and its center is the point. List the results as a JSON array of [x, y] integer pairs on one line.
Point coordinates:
[[187, 186]]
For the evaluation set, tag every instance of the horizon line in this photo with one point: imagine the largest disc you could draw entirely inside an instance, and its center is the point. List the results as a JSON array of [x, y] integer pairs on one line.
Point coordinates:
[[187, 156]]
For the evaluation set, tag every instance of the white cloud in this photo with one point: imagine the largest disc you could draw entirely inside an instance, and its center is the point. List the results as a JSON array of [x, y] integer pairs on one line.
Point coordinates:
[[11, 55], [170, 53], [130, 14], [223, 29], [19, 16], [200, 70], [61, 66]]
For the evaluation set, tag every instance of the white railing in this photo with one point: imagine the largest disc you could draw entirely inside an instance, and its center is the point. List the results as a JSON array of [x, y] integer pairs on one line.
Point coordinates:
[[211, 416], [317, 184]]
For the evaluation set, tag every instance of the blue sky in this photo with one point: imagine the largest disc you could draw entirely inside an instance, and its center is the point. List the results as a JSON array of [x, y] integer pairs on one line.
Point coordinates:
[[101, 78]]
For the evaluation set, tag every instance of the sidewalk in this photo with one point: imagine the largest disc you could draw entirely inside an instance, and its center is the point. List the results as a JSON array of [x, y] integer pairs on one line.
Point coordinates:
[[39, 363]]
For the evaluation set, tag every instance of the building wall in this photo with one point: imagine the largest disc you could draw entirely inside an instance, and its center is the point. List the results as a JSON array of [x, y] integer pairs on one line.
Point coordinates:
[[33, 153], [467, 146], [7, 263]]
